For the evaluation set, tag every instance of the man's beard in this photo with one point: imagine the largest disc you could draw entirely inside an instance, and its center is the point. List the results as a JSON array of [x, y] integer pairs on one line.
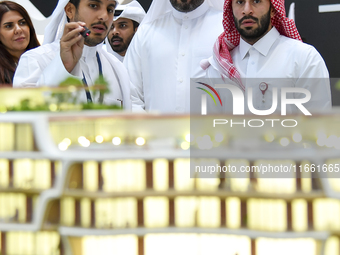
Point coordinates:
[[186, 5], [92, 41], [254, 35], [123, 47]]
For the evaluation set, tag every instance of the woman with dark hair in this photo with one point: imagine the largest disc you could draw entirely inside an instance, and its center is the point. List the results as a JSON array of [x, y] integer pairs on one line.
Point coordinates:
[[17, 35]]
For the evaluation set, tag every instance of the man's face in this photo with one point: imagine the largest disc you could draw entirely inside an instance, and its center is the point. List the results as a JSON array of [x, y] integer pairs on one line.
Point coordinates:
[[121, 35], [98, 16], [252, 18], [186, 5]]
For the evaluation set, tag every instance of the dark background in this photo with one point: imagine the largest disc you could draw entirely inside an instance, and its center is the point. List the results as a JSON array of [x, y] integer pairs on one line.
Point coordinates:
[[318, 29], [47, 9], [321, 31]]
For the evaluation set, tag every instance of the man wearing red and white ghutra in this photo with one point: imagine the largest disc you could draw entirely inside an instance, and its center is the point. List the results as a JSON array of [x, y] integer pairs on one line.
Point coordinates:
[[260, 45]]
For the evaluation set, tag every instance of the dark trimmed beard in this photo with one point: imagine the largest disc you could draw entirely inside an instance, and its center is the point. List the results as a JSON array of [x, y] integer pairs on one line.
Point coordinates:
[[92, 40], [253, 35], [186, 5], [123, 47]]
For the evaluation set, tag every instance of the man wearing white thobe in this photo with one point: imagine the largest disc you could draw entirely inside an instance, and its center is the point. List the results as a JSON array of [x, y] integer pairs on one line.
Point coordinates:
[[260, 54], [66, 53], [166, 52]]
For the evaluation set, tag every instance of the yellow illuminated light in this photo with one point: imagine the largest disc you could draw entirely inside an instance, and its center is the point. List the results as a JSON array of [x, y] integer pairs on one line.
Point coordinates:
[[62, 146], [4, 176], [85, 208], [86, 143], [67, 141], [42, 242], [266, 246], [189, 138], [72, 89], [117, 175], [67, 205], [284, 141], [332, 245], [99, 139], [53, 107], [269, 138], [277, 185], [185, 145], [116, 213], [126, 244], [140, 141], [196, 244], [7, 137], [83, 141], [160, 174], [186, 211], [299, 210], [297, 137], [156, 211], [233, 205], [13, 204], [90, 175], [325, 214], [116, 141], [42, 174], [267, 214], [182, 180], [208, 212], [24, 138]]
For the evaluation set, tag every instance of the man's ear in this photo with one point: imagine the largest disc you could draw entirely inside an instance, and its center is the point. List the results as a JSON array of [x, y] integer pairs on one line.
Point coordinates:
[[70, 11], [272, 11]]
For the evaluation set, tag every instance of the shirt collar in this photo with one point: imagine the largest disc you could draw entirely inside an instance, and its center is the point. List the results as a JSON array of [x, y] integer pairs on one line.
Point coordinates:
[[263, 45], [193, 14], [120, 58], [89, 52]]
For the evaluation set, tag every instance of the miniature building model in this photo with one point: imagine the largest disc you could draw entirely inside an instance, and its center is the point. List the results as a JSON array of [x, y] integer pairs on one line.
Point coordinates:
[[104, 183]]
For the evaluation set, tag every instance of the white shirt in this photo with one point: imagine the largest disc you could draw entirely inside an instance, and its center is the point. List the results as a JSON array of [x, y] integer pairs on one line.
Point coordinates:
[[165, 53], [43, 67], [119, 57], [278, 61]]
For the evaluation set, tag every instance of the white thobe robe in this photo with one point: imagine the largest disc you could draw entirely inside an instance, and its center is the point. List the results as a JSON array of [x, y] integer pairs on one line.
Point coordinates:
[[280, 62], [165, 53], [119, 57], [43, 67]]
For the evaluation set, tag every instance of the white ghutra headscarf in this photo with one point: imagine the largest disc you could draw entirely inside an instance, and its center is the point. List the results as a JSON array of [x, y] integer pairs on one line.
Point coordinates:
[[55, 29], [133, 11]]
